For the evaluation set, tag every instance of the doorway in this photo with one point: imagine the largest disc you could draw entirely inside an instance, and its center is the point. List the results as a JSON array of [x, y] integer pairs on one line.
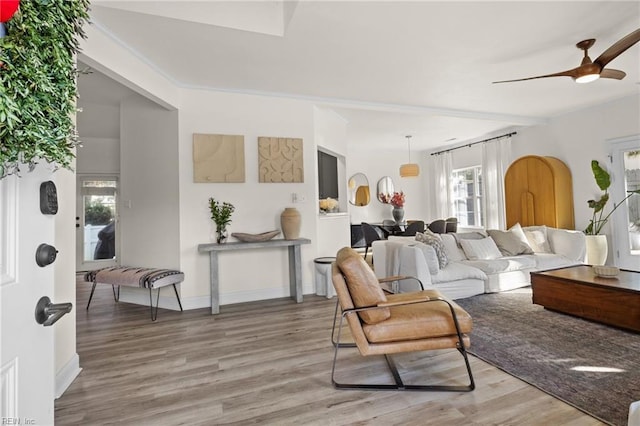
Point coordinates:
[[97, 236], [625, 156]]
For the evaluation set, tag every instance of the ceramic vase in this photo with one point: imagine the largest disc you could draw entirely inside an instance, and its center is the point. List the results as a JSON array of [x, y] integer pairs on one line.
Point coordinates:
[[596, 249], [398, 214], [290, 221]]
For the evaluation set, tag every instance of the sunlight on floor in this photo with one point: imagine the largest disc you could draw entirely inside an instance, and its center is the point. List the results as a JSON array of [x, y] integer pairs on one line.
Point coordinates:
[[597, 369]]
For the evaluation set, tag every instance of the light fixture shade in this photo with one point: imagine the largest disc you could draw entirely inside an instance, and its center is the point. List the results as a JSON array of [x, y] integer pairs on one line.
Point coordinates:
[[588, 78], [409, 170]]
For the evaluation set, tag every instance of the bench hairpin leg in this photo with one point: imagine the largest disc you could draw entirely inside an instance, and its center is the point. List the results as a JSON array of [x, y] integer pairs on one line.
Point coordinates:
[[116, 297], [177, 297], [93, 288], [154, 315]]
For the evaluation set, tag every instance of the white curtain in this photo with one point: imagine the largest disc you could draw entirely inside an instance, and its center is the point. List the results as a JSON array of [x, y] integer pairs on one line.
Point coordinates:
[[496, 157], [441, 166]]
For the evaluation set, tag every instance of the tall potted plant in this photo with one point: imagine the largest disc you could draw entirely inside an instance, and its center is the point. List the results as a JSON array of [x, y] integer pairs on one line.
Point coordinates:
[[597, 242]]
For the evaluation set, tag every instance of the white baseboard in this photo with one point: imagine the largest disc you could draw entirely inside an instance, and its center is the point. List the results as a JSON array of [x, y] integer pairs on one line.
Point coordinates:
[[168, 298], [67, 375]]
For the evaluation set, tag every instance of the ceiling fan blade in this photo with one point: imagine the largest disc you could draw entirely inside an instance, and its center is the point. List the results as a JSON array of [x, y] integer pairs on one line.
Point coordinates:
[[618, 47], [568, 73], [611, 73]]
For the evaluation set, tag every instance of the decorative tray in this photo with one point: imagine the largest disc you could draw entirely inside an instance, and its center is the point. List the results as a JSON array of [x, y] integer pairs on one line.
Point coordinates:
[[253, 238]]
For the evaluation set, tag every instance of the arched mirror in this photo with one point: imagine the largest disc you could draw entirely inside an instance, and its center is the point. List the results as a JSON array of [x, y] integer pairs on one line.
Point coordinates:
[[359, 194], [385, 189]]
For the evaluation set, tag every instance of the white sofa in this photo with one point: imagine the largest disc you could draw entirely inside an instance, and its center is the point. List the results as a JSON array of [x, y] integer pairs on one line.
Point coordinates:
[[545, 248]]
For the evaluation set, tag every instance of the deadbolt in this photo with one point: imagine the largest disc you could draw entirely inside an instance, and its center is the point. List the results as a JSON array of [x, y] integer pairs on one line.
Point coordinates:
[[45, 254]]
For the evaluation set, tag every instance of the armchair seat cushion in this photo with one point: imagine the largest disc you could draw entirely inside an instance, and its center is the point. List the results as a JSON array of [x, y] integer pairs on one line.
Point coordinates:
[[409, 322]]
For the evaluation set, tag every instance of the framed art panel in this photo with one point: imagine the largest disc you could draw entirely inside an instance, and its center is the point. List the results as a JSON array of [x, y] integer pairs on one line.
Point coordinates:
[[280, 160], [218, 158]]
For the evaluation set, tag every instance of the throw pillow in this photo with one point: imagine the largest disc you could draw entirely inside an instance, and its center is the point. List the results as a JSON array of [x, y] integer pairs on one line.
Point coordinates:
[[434, 241], [537, 241], [484, 249], [430, 256], [570, 244], [511, 242], [452, 250]]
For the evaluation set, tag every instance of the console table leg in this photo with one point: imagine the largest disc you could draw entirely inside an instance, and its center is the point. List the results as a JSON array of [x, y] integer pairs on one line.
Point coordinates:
[[215, 282], [295, 273]]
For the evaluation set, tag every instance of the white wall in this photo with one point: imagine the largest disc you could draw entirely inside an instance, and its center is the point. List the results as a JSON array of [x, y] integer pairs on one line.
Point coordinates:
[[253, 274], [377, 164], [98, 156], [149, 214]]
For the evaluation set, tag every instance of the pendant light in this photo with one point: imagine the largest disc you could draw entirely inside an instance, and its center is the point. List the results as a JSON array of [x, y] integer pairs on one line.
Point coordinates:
[[410, 169]]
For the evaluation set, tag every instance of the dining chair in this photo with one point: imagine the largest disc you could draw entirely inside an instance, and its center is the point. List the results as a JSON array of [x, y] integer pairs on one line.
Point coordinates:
[[413, 228], [451, 224], [371, 233], [438, 226]]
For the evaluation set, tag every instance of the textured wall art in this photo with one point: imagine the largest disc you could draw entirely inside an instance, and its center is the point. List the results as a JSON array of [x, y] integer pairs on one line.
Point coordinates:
[[218, 158], [280, 160]]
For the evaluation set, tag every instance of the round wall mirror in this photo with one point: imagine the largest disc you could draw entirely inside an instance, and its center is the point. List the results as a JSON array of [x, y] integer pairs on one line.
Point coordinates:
[[385, 189], [358, 186]]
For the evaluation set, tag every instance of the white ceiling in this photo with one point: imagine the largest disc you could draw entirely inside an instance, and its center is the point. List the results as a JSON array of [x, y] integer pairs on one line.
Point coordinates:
[[389, 68]]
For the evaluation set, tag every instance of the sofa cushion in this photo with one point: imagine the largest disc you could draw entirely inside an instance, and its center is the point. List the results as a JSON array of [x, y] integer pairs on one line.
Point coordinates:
[[456, 271], [408, 322], [504, 264], [483, 249], [434, 240], [363, 285], [511, 242], [546, 261]]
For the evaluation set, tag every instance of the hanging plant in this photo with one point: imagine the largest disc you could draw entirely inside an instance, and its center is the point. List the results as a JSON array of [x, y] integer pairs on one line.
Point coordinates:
[[38, 83]]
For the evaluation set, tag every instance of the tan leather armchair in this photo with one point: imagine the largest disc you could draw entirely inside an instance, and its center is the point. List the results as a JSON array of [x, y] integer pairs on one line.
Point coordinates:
[[386, 324]]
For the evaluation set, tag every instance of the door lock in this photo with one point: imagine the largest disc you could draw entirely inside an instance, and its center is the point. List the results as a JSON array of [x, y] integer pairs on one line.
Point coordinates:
[[48, 313], [45, 254]]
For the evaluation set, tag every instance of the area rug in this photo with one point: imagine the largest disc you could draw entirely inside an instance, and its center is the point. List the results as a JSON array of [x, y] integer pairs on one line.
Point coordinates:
[[594, 367]]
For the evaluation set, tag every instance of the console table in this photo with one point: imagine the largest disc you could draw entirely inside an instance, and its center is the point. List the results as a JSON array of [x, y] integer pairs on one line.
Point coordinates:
[[295, 267]]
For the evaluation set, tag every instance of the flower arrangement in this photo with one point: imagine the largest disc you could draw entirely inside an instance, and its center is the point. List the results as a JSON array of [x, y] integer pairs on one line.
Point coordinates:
[[603, 180], [397, 200], [221, 216], [328, 204]]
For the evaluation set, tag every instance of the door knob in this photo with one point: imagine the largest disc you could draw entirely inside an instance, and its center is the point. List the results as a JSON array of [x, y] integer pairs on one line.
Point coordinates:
[[48, 313]]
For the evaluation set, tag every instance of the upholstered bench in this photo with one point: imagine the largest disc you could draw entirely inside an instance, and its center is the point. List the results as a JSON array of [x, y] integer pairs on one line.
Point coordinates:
[[150, 278]]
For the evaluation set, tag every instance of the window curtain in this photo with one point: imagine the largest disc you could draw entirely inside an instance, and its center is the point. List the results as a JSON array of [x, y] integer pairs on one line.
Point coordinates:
[[441, 206], [496, 158]]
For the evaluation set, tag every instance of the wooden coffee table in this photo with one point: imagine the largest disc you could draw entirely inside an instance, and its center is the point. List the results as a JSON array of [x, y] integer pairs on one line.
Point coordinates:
[[578, 291]]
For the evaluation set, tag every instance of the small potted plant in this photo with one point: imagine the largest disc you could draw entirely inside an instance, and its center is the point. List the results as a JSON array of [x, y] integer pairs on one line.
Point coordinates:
[[221, 216], [596, 242]]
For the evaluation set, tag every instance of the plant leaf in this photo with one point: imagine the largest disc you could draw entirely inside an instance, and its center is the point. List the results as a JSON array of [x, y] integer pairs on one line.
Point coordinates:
[[603, 180]]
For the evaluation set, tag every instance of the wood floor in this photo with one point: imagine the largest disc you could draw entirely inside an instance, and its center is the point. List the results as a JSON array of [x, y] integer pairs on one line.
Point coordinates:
[[268, 362]]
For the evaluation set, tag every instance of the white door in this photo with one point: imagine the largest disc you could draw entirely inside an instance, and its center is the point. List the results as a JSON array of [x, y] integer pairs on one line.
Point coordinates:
[[26, 347], [97, 238], [625, 176]]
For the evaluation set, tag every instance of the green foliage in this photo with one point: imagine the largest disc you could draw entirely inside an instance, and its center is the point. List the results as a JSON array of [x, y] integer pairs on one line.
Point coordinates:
[[97, 214], [603, 180], [38, 83], [220, 213]]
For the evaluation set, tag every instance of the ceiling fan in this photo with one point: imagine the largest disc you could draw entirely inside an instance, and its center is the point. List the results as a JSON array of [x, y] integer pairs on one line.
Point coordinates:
[[592, 70]]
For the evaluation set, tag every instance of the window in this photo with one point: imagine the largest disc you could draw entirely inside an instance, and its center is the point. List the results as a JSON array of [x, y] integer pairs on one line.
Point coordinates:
[[467, 196]]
